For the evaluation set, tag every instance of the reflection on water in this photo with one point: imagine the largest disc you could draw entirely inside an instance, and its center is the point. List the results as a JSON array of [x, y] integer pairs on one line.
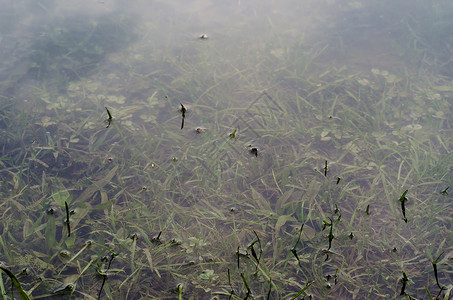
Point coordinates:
[[230, 124]]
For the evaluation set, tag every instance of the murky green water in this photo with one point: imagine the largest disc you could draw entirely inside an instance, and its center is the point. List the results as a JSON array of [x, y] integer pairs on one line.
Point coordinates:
[[226, 150]]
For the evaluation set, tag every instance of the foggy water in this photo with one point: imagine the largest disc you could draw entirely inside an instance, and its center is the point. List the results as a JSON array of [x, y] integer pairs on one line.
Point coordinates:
[[220, 127]]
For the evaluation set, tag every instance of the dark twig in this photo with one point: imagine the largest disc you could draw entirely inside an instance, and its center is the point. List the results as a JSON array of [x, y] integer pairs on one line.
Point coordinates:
[[104, 274], [110, 118], [183, 114], [405, 280], [67, 218], [403, 200]]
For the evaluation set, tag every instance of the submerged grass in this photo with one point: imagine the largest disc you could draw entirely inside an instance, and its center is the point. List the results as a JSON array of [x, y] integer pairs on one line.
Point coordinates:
[[16, 283], [212, 204]]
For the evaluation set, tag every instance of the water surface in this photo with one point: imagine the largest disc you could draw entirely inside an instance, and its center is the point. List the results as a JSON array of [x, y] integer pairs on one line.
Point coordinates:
[[232, 124]]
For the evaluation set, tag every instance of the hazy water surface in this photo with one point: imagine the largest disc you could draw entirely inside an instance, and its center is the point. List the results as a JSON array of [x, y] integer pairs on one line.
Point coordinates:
[[232, 123]]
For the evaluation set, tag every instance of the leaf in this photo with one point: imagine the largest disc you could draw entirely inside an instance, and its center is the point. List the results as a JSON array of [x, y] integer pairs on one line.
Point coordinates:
[[281, 201], [308, 233], [103, 206], [26, 231], [150, 261], [97, 185], [208, 274], [22, 293], [310, 197], [282, 221], [80, 212], [51, 231], [70, 241], [448, 293], [260, 200], [312, 191], [301, 291], [5, 250], [105, 203], [61, 197]]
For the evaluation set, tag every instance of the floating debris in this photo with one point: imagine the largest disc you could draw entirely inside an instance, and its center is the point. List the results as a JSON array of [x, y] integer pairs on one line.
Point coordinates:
[[67, 218], [183, 111], [64, 253], [253, 150], [134, 236], [200, 130], [176, 241], [156, 239], [403, 200], [336, 210], [110, 118], [69, 287], [88, 243], [233, 134], [404, 280], [51, 210]]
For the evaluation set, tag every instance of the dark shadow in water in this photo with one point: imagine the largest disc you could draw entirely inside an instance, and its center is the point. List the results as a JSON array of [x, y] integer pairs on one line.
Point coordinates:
[[63, 50]]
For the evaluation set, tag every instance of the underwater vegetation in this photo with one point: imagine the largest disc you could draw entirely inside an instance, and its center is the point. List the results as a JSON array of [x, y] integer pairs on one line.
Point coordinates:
[[131, 168]]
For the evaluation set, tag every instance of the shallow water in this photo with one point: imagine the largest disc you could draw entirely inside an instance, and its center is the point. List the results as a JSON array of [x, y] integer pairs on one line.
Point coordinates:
[[320, 113]]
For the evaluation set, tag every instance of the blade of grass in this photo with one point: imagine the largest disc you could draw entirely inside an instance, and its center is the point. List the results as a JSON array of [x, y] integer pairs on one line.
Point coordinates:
[[270, 288], [5, 250], [2, 288], [86, 245], [435, 270], [249, 292], [301, 291], [294, 249], [22, 293]]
